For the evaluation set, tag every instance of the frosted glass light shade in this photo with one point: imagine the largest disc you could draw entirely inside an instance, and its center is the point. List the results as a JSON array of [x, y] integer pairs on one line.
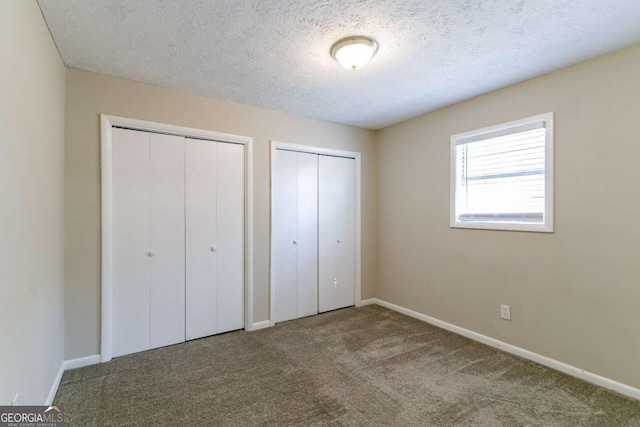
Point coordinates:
[[354, 52]]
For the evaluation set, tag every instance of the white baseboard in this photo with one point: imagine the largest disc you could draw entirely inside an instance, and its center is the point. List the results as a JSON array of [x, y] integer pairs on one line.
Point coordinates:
[[54, 386], [81, 362], [65, 366], [610, 384], [261, 325], [367, 302]]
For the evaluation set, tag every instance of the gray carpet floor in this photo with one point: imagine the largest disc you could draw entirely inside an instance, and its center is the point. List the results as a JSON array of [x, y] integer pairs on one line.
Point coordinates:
[[359, 367]]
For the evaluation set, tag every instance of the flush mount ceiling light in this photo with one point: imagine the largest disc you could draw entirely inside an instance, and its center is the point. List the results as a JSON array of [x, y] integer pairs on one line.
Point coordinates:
[[354, 52]]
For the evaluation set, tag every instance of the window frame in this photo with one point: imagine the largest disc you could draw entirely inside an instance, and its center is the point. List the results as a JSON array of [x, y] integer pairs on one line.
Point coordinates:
[[492, 131]]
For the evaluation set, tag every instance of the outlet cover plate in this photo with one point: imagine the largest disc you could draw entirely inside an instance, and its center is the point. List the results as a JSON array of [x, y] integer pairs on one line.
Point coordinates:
[[505, 312]]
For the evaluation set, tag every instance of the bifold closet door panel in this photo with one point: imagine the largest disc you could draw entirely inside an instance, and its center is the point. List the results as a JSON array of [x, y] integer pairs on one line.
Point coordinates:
[[346, 232], [230, 236], [201, 287], [307, 234], [284, 229], [131, 229], [328, 210], [295, 234], [167, 243], [336, 233]]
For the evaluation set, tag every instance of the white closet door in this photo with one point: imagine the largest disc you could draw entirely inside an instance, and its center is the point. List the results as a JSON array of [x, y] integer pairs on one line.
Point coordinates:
[[178, 239], [336, 233], [307, 234], [167, 242], [201, 286], [295, 234], [285, 234], [230, 237], [328, 210], [346, 232], [130, 241]]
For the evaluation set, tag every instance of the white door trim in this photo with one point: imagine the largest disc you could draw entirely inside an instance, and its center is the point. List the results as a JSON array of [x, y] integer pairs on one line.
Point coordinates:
[[275, 145], [106, 161]]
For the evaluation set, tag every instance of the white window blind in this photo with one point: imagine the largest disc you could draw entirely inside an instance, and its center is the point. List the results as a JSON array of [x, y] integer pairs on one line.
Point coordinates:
[[500, 176]]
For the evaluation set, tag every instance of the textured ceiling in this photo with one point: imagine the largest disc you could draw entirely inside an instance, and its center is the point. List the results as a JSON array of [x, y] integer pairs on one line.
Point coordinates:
[[275, 53]]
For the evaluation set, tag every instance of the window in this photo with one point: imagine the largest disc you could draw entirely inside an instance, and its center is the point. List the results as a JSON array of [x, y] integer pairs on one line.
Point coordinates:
[[502, 176]]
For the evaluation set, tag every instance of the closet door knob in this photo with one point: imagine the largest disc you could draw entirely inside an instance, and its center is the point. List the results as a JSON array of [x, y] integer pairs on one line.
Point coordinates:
[[338, 241], [150, 254], [295, 243], [212, 248]]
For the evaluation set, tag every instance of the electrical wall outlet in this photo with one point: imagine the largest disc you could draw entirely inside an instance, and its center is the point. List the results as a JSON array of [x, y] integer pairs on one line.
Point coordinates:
[[14, 402], [505, 312]]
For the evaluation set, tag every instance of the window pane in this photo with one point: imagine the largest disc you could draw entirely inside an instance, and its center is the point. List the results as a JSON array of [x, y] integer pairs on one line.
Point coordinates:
[[502, 179]]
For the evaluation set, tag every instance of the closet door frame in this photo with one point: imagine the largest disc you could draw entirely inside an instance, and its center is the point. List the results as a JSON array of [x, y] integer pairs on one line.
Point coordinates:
[[107, 122], [277, 145]]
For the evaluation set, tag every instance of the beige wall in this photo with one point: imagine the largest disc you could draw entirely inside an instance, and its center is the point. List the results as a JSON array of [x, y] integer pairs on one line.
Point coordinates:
[[574, 294], [89, 94], [31, 205]]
